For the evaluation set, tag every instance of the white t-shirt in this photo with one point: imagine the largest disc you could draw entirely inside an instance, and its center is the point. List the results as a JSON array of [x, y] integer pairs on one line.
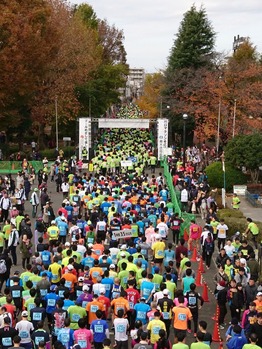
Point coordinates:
[[222, 231], [229, 250], [24, 328], [121, 326]]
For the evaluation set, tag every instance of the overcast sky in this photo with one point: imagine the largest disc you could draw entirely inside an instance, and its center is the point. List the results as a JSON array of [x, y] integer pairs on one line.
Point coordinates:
[[150, 25]]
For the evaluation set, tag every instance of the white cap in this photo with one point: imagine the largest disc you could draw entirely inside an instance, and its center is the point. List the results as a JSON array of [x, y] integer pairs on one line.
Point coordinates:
[[85, 288], [158, 237], [70, 267], [53, 222], [112, 266], [90, 245], [63, 218], [243, 261], [166, 292], [122, 254], [67, 243], [102, 290], [123, 247]]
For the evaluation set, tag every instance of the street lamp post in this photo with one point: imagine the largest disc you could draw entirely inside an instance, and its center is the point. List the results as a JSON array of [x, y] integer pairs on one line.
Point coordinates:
[[56, 123], [185, 117]]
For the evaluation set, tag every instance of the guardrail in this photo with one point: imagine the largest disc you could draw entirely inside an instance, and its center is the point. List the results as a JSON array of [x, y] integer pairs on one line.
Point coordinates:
[[252, 198]]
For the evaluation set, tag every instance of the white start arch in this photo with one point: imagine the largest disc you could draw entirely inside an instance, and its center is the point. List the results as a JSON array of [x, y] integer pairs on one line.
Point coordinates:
[[85, 134]]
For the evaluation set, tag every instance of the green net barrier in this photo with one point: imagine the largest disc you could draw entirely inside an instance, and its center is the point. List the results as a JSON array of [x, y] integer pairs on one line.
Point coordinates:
[[175, 197], [152, 138], [7, 167]]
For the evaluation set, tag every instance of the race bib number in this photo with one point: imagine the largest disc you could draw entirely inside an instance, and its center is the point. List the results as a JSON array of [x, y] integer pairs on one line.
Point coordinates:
[[75, 317], [165, 315], [182, 317], [141, 314], [156, 330], [51, 302], [7, 342], [24, 334], [16, 294], [39, 339], [192, 300], [43, 292], [120, 328], [93, 308], [65, 338], [37, 316], [99, 328], [82, 343]]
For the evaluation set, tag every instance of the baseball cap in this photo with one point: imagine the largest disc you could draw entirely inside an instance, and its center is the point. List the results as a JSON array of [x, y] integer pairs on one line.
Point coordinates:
[[122, 254], [112, 266], [158, 237], [156, 270], [102, 290], [53, 288], [80, 279], [142, 298], [63, 218], [53, 222], [70, 267], [67, 244], [123, 247], [243, 261], [35, 189], [90, 245], [85, 288], [259, 294], [166, 292], [24, 313]]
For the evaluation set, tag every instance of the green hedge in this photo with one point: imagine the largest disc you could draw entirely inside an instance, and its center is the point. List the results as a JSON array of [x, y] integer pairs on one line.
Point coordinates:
[[216, 176], [236, 221], [228, 212]]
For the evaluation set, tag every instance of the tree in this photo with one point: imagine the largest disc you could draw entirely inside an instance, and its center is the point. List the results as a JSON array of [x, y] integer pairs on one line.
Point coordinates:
[[195, 41], [45, 52], [150, 101], [102, 90], [246, 150]]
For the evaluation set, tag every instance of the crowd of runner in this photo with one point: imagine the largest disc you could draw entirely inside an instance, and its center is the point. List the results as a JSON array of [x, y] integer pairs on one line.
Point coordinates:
[[111, 266]]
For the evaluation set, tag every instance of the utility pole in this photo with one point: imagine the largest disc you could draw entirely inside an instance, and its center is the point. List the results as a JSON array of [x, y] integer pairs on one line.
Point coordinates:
[[56, 123]]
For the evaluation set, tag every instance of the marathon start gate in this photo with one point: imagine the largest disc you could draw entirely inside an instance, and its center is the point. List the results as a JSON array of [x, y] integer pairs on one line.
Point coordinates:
[[85, 131]]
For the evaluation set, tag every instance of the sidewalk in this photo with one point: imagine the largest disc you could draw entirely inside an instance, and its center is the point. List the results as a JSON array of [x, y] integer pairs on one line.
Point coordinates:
[[247, 209]]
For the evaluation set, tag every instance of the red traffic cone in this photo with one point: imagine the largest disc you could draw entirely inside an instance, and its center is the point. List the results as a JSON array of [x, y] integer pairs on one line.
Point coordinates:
[[221, 345], [199, 279], [216, 334], [194, 255], [201, 266], [186, 237], [205, 293]]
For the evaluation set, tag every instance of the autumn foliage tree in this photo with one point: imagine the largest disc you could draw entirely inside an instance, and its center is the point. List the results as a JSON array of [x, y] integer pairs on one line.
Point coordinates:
[[46, 52]]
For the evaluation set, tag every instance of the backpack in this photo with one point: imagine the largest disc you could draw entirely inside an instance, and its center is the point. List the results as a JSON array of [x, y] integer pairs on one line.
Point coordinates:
[[2, 266]]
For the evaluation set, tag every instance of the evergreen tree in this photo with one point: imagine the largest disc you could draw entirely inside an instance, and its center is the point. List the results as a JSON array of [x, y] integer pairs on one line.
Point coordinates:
[[195, 41]]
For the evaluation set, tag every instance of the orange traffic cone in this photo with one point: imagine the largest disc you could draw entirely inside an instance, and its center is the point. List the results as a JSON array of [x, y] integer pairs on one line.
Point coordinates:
[[221, 345], [205, 293], [199, 279], [216, 334], [186, 237], [201, 266], [194, 255]]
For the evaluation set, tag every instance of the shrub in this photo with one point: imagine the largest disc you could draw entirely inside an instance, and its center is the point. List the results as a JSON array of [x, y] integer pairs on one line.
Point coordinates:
[[227, 212], [240, 224], [216, 176]]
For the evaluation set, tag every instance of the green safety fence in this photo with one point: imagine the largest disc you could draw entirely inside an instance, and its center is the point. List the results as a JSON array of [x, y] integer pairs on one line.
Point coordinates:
[[12, 167], [175, 198]]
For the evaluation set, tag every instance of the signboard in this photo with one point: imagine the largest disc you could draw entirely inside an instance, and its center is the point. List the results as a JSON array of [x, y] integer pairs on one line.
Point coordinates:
[[123, 123], [132, 158], [120, 234], [239, 189], [84, 135], [126, 163], [168, 151], [67, 139], [162, 137]]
